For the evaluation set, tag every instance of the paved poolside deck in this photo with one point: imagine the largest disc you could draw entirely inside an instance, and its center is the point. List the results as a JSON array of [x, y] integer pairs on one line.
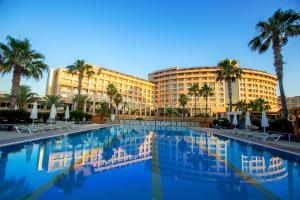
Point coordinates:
[[12, 137], [282, 145]]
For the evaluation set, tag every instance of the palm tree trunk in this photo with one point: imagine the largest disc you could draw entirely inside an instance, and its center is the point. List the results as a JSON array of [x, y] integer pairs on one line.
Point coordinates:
[[229, 82], [15, 86], [80, 78], [206, 107], [195, 111], [278, 64]]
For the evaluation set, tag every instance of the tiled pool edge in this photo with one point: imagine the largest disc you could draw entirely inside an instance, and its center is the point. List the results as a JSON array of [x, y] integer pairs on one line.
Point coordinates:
[[248, 141], [43, 136]]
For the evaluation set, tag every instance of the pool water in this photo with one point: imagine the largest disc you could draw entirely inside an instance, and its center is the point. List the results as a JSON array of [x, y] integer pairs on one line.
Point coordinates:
[[140, 162]]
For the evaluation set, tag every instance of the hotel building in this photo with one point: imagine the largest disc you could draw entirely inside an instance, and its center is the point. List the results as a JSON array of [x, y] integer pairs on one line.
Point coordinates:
[[162, 90], [292, 102], [137, 92], [171, 82]]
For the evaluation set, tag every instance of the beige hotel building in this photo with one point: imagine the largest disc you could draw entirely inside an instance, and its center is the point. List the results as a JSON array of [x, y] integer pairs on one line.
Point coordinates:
[[162, 90]]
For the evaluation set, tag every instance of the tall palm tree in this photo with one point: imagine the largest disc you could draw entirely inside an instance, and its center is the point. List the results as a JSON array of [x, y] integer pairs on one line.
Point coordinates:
[[18, 57], [111, 91], [25, 96], [229, 71], [54, 99], [276, 31], [183, 100], [194, 91], [118, 99], [206, 92], [81, 69]]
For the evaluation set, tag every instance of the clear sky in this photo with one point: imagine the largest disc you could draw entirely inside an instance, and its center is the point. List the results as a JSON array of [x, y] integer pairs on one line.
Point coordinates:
[[138, 37]]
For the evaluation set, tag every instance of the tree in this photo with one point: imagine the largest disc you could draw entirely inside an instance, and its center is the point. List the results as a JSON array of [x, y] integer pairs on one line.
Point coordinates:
[[259, 104], [25, 96], [206, 92], [183, 100], [125, 105], [18, 57], [103, 109], [276, 31], [81, 69], [118, 99], [111, 91], [241, 106], [229, 71], [54, 99], [194, 91], [81, 100]]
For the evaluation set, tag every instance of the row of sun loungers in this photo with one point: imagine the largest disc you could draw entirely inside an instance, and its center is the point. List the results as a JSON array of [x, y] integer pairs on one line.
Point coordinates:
[[259, 135], [44, 127]]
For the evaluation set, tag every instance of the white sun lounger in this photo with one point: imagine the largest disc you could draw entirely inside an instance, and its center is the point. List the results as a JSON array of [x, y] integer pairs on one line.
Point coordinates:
[[267, 136], [29, 129]]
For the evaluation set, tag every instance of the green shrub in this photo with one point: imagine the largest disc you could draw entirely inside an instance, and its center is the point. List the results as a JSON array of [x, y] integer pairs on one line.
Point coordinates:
[[14, 116], [139, 118], [77, 115], [44, 116], [222, 122], [281, 125]]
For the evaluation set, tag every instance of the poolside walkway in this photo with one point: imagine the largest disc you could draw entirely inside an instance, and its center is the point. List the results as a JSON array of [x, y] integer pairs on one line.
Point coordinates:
[[282, 145], [12, 137]]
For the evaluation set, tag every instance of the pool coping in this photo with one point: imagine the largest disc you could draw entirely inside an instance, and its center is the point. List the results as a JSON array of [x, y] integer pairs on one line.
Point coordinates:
[[41, 136], [264, 144]]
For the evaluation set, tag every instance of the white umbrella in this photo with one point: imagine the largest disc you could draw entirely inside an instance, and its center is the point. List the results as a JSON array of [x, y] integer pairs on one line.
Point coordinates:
[[264, 120], [248, 122], [52, 113], [235, 122], [228, 116], [67, 114], [34, 112]]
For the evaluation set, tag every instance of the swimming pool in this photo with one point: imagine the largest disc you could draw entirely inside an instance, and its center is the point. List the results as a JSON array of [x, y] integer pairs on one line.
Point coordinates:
[[142, 162]]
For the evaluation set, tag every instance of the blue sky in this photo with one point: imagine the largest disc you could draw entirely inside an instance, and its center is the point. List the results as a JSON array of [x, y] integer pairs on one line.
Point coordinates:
[[138, 37]]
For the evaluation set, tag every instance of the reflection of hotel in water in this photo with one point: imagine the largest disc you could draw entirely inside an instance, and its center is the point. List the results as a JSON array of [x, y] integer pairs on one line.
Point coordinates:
[[132, 150], [256, 167], [196, 157]]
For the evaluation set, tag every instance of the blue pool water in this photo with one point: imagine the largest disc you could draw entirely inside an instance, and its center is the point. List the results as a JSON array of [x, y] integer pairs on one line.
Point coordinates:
[[127, 162]]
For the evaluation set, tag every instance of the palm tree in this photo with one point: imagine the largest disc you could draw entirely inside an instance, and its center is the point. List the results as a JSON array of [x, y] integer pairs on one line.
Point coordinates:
[[81, 100], [111, 91], [206, 92], [103, 109], [125, 105], [183, 100], [25, 96], [241, 106], [194, 91], [259, 104], [18, 57], [229, 71], [118, 99], [276, 31], [53, 99], [81, 69]]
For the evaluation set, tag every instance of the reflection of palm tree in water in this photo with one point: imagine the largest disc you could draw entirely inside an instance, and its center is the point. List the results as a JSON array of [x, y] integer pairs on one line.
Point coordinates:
[[11, 188], [70, 180]]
